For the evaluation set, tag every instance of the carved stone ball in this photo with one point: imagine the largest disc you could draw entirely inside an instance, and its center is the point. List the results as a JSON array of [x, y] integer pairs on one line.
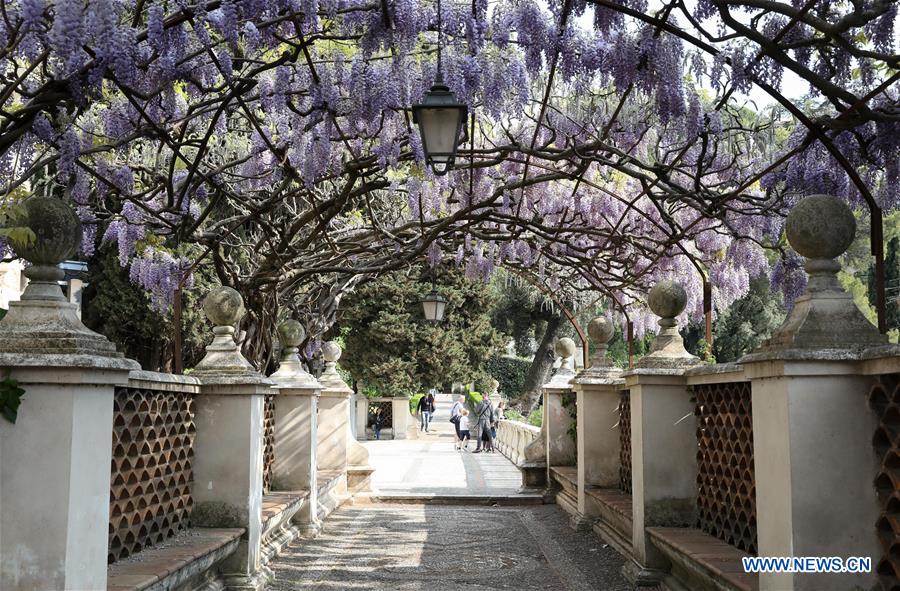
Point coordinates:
[[291, 333], [667, 299], [565, 347], [56, 228], [223, 306], [331, 351], [601, 330], [820, 227]]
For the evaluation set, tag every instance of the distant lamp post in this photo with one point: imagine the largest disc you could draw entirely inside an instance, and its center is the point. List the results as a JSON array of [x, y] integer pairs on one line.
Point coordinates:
[[433, 305], [441, 119]]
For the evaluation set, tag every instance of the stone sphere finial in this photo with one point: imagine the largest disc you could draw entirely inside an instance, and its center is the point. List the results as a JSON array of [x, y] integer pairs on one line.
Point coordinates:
[[601, 330], [667, 299], [224, 306], [820, 227], [565, 347], [331, 351], [57, 231], [291, 333]]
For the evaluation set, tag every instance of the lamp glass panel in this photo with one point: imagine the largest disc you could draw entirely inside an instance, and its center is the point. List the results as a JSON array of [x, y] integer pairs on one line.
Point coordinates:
[[430, 309], [439, 129], [439, 310]]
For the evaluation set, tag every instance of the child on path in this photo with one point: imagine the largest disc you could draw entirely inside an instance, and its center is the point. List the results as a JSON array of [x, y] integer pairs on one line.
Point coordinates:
[[463, 430]]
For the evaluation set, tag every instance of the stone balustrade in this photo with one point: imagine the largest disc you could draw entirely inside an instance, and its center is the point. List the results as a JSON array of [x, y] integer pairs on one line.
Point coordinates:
[[513, 437]]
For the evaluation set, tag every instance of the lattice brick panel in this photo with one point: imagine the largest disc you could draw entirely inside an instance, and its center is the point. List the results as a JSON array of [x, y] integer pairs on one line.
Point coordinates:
[[152, 475], [885, 401], [386, 411], [268, 442], [625, 441], [726, 486]]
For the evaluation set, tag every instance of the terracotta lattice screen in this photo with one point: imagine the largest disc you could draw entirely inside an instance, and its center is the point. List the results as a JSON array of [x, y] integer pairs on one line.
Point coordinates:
[[152, 475], [386, 411], [625, 441], [268, 442], [885, 401], [726, 485]]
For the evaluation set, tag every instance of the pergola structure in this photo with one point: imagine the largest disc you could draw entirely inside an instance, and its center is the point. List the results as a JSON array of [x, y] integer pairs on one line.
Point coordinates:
[[609, 143]]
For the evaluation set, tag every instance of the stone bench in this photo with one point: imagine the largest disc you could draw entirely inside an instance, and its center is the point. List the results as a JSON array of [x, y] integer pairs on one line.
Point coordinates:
[[189, 559], [701, 562]]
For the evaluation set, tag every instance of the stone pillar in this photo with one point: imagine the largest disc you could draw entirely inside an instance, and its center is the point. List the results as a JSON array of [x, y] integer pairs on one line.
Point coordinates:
[[362, 417], [228, 445], [663, 438], [296, 407], [55, 459], [597, 391], [812, 430], [404, 424], [557, 420], [332, 428]]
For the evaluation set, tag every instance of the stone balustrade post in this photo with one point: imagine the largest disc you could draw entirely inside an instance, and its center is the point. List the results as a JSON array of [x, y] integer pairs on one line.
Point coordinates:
[[55, 460], [403, 423], [296, 437], [663, 439], [554, 446], [812, 430], [228, 446], [597, 400], [362, 417], [332, 428]]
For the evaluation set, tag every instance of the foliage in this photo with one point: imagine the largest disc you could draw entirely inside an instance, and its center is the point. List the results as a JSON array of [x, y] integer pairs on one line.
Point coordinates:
[[747, 322], [275, 137], [10, 398], [618, 347], [511, 372], [892, 282], [414, 402], [391, 348], [569, 403], [124, 313], [535, 417]]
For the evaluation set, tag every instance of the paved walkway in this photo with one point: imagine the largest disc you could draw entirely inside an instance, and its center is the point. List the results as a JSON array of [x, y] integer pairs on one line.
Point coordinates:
[[430, 466], [387, 547]]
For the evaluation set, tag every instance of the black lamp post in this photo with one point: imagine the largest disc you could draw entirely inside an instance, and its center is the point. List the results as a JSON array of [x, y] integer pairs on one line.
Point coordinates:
[[433, 305], [441, 119]]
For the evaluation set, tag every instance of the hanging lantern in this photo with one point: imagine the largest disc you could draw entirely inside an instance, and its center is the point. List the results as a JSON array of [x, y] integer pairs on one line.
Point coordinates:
[[433, 305], [441, 121]]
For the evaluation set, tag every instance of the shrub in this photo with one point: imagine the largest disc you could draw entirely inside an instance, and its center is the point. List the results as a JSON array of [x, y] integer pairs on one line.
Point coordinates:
[[536, 417], [514, 415], [414, 402]]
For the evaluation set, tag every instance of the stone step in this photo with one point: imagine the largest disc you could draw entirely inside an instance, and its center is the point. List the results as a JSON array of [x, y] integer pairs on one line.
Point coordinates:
[[526, 498]]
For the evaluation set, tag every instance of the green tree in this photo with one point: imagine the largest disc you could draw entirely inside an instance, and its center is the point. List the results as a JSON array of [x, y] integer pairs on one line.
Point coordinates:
[[747, 322], [121, 311], [391, 348]]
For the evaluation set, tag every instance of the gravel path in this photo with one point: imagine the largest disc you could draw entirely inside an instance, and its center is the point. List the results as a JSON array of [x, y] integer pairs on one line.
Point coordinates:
[[437, 547]]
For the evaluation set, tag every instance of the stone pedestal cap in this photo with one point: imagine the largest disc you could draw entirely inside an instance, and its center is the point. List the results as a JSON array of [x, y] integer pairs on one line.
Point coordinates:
[[565, 349], [43, 329], [224, 307], [601, 331], [667, 300], [290, 373], [825, 322], [331, 380]]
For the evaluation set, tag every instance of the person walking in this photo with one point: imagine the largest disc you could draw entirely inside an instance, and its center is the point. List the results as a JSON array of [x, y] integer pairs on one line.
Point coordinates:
[[425, 409], [455, 413], [378, 423], [484, 416]]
